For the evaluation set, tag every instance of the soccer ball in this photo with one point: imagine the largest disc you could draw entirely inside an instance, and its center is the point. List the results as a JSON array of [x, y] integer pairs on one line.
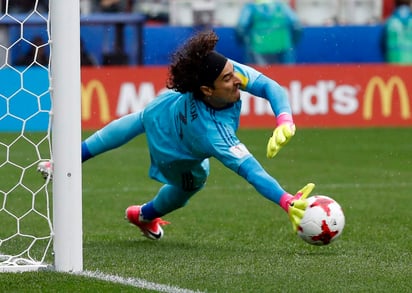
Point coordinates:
[[322, 222]]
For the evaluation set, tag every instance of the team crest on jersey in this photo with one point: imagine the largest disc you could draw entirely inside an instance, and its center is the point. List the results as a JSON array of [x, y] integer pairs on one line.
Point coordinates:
[[239, 150]]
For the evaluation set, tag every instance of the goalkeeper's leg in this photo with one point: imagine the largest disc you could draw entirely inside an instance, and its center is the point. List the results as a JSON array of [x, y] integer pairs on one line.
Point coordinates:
[[113, 135], [147, 216], [183, 185], [168, 199]]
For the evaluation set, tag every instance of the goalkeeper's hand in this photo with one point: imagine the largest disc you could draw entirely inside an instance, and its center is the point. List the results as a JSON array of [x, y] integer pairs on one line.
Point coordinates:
[[45, 168], [281, 136], [298, 204]]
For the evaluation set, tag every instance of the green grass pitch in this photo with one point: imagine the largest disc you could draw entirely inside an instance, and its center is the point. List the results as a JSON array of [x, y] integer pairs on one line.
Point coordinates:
[[231, 239]]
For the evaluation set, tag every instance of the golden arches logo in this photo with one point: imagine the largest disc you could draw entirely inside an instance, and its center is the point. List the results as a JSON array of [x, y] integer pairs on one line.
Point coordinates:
[[103, 100], [386, 90]]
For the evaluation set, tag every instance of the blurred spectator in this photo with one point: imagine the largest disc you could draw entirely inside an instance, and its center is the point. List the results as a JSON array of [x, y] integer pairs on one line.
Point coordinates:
[[117, 56], [270, 30], [86, 59], [397, 34], [360, 12], [154, 10], [110, 6], [24, 6], [318, 12], [37, 53]]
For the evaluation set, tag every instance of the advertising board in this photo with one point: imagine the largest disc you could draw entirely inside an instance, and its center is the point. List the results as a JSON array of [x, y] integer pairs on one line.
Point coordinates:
[[320, 96]]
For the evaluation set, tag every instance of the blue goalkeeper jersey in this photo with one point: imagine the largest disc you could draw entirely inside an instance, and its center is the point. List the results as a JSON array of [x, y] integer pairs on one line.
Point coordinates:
[[182, 128], [183, 132]]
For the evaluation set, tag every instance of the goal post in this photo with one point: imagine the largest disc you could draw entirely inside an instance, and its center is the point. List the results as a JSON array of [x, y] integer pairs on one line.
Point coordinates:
[[66, 134], [40, 119]]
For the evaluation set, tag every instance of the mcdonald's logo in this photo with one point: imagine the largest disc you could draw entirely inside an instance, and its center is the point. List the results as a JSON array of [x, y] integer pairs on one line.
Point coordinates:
[[386, 90], [95, 86]]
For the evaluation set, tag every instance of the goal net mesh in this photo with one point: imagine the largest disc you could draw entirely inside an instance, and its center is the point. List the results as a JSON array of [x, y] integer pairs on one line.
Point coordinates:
[[26, 231]]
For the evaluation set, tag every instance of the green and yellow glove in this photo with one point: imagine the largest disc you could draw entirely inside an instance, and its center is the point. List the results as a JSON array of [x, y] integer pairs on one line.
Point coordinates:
[[281, 135], [298, 204]]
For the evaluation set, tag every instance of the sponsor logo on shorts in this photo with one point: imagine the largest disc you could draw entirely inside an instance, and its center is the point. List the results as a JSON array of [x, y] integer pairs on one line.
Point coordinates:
[[239, 150]]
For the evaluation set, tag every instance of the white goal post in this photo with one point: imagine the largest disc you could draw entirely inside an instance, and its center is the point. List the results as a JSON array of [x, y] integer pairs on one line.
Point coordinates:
[[24, 203], [66, 133]]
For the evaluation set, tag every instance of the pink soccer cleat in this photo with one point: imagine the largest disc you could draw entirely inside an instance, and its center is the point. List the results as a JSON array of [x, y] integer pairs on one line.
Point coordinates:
[[150, 229]]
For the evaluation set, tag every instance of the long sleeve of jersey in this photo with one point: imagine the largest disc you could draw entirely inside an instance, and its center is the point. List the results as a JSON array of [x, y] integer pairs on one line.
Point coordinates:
[[262, 86], [113, 135], [265, 184]]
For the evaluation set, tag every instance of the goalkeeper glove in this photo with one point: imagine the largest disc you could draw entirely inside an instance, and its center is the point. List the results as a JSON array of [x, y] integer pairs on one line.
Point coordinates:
[[296, 205], [281, 135], [46, 169]]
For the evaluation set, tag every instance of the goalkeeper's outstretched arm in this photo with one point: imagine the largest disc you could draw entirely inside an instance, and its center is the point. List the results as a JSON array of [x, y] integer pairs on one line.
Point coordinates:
[[113, 135], [267, 186]]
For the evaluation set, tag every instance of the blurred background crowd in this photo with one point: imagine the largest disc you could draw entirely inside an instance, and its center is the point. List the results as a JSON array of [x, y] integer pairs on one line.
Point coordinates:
[[269, 30], [226, 12]]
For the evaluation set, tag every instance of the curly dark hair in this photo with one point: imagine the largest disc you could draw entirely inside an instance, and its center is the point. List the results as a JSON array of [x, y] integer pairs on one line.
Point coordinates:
[[185, 63]]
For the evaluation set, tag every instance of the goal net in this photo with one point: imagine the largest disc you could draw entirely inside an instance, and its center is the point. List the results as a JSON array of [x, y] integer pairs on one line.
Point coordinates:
[[34, 232]]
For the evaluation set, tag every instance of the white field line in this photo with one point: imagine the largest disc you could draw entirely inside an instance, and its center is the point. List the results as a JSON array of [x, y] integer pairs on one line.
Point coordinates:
[[210, 186], [135, 282]]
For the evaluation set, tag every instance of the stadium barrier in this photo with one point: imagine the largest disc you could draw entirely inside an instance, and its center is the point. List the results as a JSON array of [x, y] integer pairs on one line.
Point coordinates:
[[147, 45]]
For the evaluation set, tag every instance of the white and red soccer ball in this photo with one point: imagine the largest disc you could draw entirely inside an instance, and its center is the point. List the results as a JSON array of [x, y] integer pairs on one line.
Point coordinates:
[[322, 222]]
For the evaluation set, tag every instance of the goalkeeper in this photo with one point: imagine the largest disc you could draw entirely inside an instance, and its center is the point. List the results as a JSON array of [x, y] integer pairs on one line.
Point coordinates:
[[196, 120]]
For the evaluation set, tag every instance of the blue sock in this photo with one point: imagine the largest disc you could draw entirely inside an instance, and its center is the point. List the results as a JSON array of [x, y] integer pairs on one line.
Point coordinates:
[[168, 199], [85, 152], [149, 212]]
